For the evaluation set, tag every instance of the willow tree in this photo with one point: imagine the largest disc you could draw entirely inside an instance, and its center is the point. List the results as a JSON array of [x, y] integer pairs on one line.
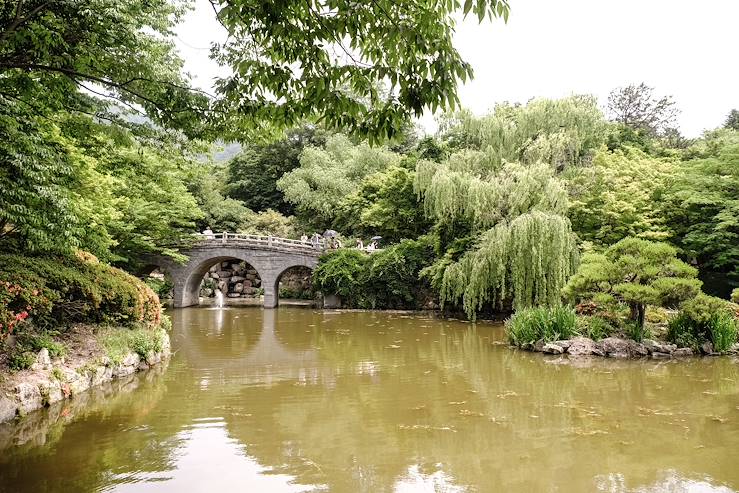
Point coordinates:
[[522, 246], [560, 132]]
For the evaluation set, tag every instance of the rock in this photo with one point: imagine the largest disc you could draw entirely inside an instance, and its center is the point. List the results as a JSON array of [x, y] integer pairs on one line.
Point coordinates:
[[638, 349], [122, 371], [734, 349], [538, 346], [29, 397], [658, 347], [583, 346], [234, 295], [51, 392], [237, 278], [43, 359], [214, 275], [100, 374], [238, 287], [252, 271], [615, 347], [682, 352], [224, 265], [131, 359], [213, 269], [707, 348], [153, 358], [564, 344], [552, 348], [256, 282], [224, 274], [8, 409], [247, 284], [658, 355], [143, 366]]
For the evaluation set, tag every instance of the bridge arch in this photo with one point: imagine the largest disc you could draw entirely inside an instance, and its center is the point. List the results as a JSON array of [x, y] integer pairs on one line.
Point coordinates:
[[270, 257]]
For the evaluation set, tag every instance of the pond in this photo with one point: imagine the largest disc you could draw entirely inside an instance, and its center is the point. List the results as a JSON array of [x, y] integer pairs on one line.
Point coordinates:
[[294, 399]]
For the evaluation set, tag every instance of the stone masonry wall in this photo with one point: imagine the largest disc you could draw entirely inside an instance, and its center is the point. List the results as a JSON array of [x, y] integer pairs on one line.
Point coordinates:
[[49, 381], [236, 279]]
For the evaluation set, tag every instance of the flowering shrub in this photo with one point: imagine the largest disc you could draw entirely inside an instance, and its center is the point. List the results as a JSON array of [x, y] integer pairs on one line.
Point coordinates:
[[57, 291], [18, 302]]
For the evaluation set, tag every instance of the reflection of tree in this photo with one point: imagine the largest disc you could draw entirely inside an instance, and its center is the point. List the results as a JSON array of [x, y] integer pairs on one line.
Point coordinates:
[[515, 412], [57, 432], [363, 401]]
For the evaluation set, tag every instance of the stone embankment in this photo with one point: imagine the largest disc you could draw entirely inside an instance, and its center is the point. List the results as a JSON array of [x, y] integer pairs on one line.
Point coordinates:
[[615, 347], [49, 381]]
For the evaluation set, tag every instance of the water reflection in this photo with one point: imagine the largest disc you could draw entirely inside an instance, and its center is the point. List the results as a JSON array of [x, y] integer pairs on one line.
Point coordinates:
[[302, 400]]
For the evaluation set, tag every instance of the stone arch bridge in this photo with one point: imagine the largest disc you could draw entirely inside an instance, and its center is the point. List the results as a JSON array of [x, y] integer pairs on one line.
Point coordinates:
[[269, 256]]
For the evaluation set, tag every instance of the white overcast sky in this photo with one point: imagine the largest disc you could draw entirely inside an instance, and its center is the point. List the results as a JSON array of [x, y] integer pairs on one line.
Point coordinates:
[[554, 48]]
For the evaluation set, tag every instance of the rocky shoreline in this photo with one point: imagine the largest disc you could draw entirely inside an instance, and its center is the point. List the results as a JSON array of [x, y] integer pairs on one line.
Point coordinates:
[[616, 347], [50, 381]]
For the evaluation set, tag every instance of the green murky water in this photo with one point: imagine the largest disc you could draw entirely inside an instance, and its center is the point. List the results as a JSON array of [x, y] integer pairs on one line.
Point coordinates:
[[293, 400]]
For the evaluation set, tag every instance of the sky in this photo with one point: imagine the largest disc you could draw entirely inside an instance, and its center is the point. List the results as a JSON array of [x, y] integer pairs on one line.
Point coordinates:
[[554, 48]]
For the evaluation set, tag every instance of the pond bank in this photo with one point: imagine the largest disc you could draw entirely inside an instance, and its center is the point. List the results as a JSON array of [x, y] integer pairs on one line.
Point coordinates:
[[616, 347], [86, 364]]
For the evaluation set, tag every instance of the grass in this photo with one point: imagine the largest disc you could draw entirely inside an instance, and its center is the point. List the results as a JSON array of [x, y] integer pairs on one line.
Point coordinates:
[[119, 342], [596, 328], [720, 329], [723, 330], [530, 325]]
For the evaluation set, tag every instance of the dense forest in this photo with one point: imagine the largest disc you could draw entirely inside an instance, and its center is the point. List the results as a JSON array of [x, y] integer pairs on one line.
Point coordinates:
[[111, 152]]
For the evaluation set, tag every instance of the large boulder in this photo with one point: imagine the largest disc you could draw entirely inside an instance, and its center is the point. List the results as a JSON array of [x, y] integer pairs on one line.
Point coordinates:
[[658, 347], [584, 346], [224, 274], [682, 352], [615, 347]]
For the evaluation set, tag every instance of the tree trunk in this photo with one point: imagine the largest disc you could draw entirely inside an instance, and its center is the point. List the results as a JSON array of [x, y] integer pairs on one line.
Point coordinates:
[[637, 313]]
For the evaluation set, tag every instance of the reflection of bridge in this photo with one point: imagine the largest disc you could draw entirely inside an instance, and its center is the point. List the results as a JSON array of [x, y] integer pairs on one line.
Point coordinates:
[[270, 256]]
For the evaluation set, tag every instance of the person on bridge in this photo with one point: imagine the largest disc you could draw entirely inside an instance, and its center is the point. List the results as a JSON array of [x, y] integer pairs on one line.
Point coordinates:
[[360, 244], [208, 233], [304, 238]]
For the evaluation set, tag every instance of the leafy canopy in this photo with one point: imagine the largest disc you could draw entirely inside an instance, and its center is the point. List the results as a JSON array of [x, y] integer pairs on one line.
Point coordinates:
[[637, 273], [328, 59], [326, 176]]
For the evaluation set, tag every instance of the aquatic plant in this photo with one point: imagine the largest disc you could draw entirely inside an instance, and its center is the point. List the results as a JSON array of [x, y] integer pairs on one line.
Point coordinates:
[[530, 325]]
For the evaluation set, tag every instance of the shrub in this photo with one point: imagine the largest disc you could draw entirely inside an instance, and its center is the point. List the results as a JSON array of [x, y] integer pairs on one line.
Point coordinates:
[[392, 277], [54, 291], [36, 342], [595, 328], [21, 360], [162, 287], [704, 319], [530, 325], [338, 272], [703, 307], [735, 296]]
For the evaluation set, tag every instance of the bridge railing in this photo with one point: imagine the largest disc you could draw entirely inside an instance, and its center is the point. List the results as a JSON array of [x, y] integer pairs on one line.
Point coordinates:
[[272, 242], [264, 241]]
